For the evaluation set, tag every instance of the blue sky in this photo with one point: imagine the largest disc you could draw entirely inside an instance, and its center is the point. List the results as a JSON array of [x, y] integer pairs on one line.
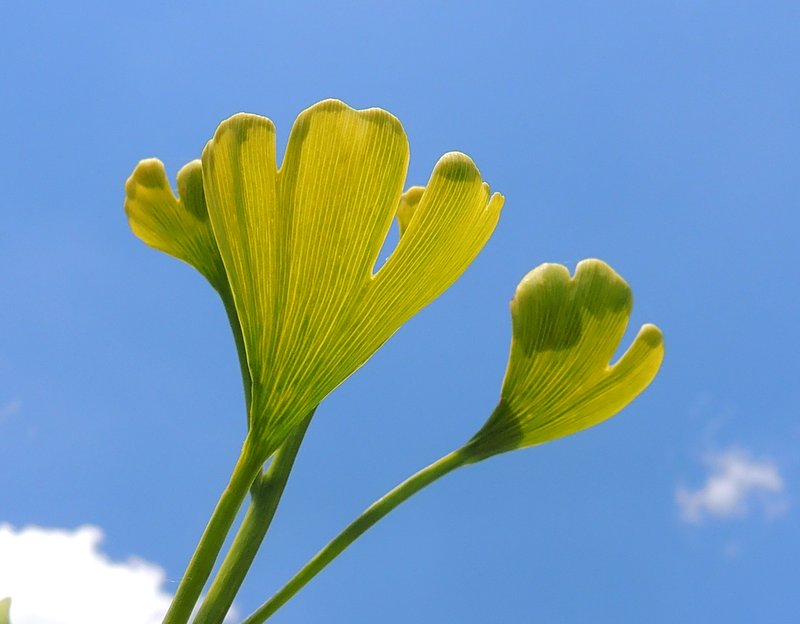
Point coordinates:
[[662, 137]]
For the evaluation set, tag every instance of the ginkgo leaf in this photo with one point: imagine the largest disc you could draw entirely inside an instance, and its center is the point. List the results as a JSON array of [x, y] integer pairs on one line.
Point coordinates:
[[299, 246], [559, 378]]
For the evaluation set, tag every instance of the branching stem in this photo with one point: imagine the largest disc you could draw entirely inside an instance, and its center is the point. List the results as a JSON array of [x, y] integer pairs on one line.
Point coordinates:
[[265, 495]]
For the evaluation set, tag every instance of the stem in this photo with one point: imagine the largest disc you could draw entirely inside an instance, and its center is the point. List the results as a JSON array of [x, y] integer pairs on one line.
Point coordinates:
[[265, 494], [370, 516], [197, 572]]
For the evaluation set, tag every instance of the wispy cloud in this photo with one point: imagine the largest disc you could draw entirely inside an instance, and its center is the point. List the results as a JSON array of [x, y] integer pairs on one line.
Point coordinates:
[[736, 484], [60, 576], [7, 410]]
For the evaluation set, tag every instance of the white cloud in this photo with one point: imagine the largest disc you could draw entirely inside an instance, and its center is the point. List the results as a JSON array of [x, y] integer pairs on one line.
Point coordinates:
[[58, 576], [737, 482], [61, 576]]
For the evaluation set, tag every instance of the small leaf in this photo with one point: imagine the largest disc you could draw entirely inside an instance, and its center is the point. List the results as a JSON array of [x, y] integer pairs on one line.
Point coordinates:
[[177, 226], [559, 378]]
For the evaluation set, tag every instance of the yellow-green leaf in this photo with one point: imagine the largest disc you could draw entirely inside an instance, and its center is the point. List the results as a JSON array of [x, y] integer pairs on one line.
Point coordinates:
[[559, 378], [299, 246], [179, 225]]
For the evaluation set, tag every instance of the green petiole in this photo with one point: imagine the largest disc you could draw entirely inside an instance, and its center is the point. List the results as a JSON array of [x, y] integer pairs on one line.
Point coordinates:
[[369, 517]]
